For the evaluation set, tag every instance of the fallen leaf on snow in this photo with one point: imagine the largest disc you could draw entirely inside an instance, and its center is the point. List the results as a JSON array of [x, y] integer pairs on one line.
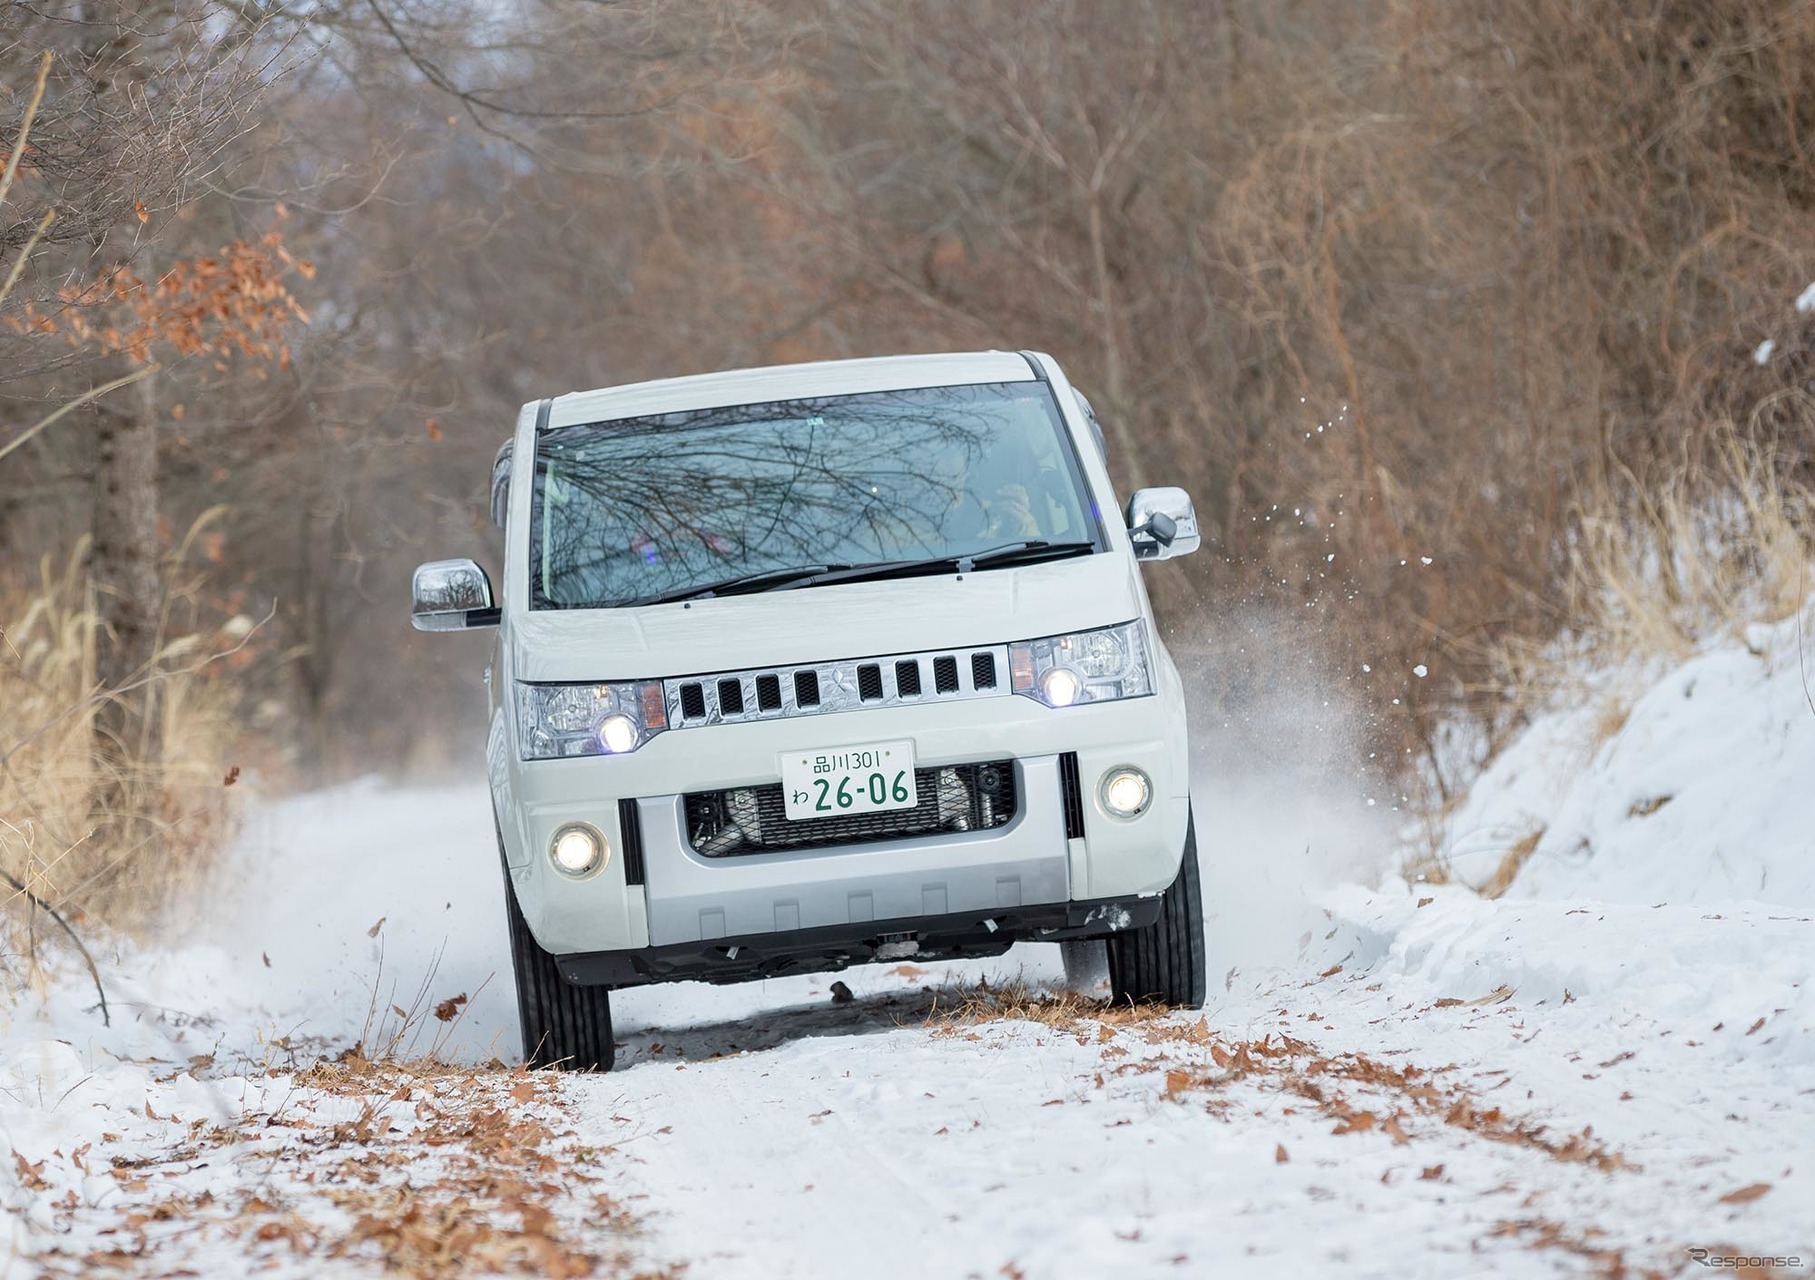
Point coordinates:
[[1746, 1195], [1279, 1154]]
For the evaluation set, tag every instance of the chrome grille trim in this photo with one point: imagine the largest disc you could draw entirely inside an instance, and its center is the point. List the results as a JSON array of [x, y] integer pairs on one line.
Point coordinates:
[[837, 687]]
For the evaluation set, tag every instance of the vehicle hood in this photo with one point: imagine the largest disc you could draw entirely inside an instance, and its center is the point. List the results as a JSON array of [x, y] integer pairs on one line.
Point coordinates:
[[819, 624]]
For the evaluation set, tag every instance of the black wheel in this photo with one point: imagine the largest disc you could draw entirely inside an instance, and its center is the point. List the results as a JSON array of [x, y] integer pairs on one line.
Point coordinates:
[[1164, 962], [564, 1026]]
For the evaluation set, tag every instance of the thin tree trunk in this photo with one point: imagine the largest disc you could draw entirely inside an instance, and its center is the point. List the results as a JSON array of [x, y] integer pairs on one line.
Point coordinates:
[[124, 570]]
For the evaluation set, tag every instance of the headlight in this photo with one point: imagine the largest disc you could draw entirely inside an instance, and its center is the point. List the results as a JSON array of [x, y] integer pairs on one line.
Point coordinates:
[[556, 720], [1085, 666]]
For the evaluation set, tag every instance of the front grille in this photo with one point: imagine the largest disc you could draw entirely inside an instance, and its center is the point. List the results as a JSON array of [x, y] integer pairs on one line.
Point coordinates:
[[745, 820], [821, 688]]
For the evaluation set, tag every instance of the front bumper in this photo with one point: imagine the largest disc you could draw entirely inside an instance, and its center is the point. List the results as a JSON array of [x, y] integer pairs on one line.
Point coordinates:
[[683, 899]]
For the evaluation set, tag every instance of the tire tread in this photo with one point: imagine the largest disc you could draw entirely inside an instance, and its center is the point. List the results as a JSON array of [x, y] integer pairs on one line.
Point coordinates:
[[1163, 963]]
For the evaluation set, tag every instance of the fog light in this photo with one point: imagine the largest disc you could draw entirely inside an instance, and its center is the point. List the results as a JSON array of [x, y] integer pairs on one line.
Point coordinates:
[[1060, 687], [618, 734], [577, 849], [1125, 792]]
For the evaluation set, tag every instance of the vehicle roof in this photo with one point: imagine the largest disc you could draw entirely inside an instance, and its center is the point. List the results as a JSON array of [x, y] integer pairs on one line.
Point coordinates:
[[788, 382]]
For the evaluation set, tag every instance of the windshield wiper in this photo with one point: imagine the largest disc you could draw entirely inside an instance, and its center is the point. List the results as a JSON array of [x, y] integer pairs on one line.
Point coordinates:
[[1028, 551], [763, 580]]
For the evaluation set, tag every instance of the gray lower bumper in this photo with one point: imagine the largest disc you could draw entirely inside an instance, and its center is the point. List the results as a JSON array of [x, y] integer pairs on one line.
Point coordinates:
[[696, 899]]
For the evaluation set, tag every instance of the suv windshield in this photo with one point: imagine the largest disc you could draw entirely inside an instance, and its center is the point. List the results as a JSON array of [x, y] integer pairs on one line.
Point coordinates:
[[654, 508]]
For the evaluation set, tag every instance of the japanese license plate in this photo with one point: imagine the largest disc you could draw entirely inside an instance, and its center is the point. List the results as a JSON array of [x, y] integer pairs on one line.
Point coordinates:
[[839, 780]]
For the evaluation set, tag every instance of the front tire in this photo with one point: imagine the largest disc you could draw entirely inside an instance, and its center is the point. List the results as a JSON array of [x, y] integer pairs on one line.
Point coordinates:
[[565, 1026], [1163, 963]]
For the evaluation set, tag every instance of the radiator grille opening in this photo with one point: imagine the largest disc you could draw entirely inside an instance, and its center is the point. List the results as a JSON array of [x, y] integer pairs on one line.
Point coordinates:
[[768, 693], [1072, 794], [869, 682], [945, 674], [907, 679], [693, 702], [806, 688], [983, 671], [951, 798], [731, 697]]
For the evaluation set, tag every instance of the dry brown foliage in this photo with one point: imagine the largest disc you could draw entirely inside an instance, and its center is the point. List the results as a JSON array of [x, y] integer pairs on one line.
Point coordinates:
[[440, 1172], [48, 770]]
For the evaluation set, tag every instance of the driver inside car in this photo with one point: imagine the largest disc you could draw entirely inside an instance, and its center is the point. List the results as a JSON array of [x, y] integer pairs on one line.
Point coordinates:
[[976, 510]]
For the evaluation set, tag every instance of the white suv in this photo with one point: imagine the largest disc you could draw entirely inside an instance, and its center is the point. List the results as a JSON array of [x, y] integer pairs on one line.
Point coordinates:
[[825, 664]]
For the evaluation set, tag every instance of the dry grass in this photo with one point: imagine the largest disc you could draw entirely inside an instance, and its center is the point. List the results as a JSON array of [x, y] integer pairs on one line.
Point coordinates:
[[1510, 864], [956, 1010], [50, 777], [1658, 569]]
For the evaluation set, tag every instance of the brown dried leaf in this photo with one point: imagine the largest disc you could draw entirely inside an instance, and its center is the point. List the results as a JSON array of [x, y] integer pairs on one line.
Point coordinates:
[[1745, 1195], [30, 1175], [1279, 1154]]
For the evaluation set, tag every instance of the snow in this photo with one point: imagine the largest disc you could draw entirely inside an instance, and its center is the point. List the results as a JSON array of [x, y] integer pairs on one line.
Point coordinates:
[[1805, 301], [1762, 355], [1699, 796], [1389, 1080]]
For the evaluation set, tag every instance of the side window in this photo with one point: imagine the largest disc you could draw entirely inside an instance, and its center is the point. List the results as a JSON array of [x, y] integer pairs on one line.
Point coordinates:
[[1096, 428], [501, 485]]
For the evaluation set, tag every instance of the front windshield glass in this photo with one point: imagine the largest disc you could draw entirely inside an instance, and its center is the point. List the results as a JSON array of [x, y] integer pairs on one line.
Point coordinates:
[[631, 511]]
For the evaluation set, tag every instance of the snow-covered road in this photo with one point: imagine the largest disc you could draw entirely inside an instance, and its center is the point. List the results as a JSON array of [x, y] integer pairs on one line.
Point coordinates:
[[1378, 1087]]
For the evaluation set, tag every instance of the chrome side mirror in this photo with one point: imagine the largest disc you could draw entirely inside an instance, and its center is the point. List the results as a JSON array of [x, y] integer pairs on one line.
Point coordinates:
[[451, 595], [1162, 524]]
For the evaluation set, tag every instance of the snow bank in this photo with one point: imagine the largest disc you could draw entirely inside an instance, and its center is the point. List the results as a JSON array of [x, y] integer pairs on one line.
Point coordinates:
[[1735, 982], [1701, 796]]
